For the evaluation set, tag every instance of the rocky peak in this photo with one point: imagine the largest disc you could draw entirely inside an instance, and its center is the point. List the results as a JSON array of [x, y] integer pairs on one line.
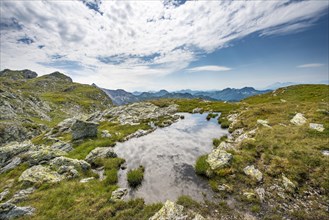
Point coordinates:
[[58, 76], [18, 74]]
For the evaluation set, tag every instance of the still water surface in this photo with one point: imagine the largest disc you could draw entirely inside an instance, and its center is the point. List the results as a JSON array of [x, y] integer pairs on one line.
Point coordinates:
[[168, 155]]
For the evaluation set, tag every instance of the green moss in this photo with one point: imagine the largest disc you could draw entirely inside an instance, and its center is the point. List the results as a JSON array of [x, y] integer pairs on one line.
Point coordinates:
[[211, 115], [216, 142], [135, 176], [201, 165]]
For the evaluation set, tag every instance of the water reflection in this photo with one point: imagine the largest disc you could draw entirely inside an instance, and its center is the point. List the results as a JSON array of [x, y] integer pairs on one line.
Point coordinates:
[[168, 155]]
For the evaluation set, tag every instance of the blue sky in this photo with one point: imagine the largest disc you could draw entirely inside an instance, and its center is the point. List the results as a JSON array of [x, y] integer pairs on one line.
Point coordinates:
[[150, 45]]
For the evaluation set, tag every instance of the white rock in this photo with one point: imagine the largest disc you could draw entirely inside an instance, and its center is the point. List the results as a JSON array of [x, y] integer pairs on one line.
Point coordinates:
[[86, 180], [218, 158], [298, 119], [318, 127]]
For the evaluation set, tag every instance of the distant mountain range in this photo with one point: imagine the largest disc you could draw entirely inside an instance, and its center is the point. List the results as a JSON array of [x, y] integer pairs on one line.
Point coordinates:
[[121, 97]]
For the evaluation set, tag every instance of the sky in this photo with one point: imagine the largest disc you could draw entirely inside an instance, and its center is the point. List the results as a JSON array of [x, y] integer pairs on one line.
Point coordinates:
[[173, 45]]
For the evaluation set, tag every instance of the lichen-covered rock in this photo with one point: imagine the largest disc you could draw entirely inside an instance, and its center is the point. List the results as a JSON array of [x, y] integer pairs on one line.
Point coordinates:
[[12, 149], [261, 193], [39, 174], [288, 184], [100, 152], [225, 146], [3, 194], [197, 110], [14, 162], [11, 211], [83, 129], [118, 194], [63, 146], [132, 114], [42, 155], [68, 172], [252, 171], [318, 127], [263, 122], [219, 158], [21, 195], [65, 161], [298, 119], [170, 211]]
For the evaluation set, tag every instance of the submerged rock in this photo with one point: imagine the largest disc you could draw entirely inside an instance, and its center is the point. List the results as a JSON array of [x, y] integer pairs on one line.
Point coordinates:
[[39, 174], [11, 211], [219, 158], [100, 152], [298, 119], [118, 194], [83, 129], [252, 171], [318, 127], [170, 211]]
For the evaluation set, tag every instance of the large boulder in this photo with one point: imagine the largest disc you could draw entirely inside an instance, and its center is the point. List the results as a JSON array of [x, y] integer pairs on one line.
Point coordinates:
[[39, 174], [57, 162], [100, 152], [298, 119], [219, 158], [82, 129], [170, 211], [11, 211], [252, 171]]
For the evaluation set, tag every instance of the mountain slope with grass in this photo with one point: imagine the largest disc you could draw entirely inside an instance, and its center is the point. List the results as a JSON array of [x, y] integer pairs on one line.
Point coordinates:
[[272, 165], [31, 104]]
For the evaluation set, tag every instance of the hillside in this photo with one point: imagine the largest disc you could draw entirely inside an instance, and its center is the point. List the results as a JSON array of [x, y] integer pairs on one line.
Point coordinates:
[[271, 165], [30, 104]]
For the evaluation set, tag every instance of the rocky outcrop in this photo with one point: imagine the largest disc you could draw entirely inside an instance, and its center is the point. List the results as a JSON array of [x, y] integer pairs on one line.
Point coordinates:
[[39, 174], [100, 152], [42, 155], [133, 113], [14, 162], [253, 172], [21, 195], [170, 211], [9, 151], [197, 110], [11, 211], [118, 194], [317, 127], [219, 158], [82, 129], [65, 161], [298, 119]]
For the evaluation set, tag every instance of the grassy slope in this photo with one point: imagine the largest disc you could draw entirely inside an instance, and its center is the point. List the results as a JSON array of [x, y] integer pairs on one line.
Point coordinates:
[[294, 151], [65, 98]]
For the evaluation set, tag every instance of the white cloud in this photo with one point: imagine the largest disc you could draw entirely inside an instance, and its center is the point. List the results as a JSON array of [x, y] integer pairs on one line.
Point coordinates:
[[209, 68], [310, 65], [137, 38]]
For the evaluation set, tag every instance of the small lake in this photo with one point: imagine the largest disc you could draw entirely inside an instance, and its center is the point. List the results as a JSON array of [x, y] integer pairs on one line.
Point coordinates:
[[168, 155]]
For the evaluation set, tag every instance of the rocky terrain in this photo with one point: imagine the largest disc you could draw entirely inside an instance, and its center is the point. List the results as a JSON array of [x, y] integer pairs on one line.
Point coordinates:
[[57, 159]]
